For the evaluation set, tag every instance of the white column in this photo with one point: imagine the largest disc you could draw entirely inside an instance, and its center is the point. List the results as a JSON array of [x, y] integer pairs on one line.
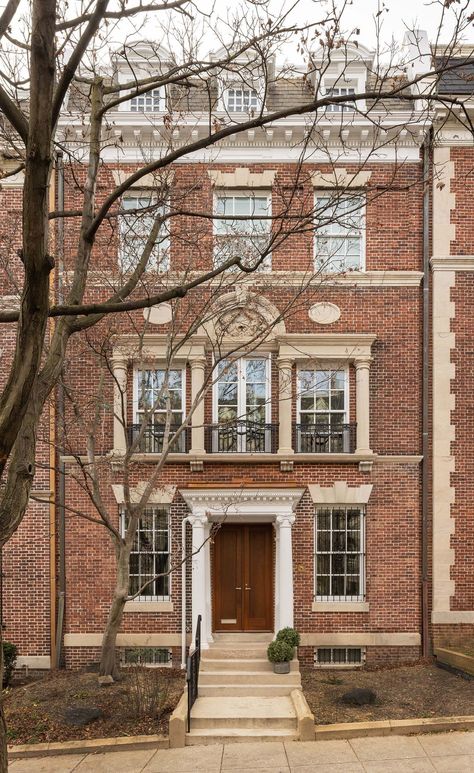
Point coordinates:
[[362, 367], [198, 520], [285, 570], [119, 368], [277, 578], [198, 365], [285, 405]]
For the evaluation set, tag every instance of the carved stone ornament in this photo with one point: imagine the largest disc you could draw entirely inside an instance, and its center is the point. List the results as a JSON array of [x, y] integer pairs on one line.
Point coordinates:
[[324, 313], [240, 323], [158, 315]]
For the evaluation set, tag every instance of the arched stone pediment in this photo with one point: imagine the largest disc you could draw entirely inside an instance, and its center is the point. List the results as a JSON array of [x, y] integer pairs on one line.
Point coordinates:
[[241, 315]]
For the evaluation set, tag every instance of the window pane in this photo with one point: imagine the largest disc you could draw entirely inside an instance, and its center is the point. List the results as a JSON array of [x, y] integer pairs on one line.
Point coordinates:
[[150, 554], [335, 561]]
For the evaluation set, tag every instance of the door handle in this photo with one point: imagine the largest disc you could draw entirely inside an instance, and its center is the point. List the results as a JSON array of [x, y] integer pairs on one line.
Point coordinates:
[[238, 589], [247, 588]]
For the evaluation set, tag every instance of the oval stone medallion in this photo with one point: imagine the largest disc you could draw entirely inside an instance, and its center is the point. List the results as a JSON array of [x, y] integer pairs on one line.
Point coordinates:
[[324, 313]]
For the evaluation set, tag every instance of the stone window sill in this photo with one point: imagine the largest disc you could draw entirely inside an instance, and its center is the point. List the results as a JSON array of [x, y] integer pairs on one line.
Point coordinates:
[[148, 606], [340, 606]]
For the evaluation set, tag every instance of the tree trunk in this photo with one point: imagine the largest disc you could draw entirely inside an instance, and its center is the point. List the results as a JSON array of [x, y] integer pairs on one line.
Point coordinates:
[[108, 659]]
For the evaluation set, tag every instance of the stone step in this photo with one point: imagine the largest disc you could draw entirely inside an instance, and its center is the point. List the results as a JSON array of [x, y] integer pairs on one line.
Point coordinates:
[[239, 664], [239, 638], [238, 652], [237, 735], [248, 677], [244, 713], [227, 690]]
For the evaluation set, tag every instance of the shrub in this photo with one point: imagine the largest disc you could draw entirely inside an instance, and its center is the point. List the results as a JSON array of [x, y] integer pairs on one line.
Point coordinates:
[[289, 635], [280, 651], [9, 659], [149, 691]]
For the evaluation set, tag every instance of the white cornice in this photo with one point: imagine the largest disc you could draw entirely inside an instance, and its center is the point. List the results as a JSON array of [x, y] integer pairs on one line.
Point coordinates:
[[453, 263], [224, 502]]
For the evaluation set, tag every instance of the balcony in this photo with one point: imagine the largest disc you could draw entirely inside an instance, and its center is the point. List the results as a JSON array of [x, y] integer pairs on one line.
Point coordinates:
[[317, 439], [151, 441], [246, 437]]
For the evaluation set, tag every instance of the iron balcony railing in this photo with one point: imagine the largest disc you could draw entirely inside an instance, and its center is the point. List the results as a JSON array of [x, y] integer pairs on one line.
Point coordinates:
[[317, 439], [251, 437], [192, 670], [151, 441]]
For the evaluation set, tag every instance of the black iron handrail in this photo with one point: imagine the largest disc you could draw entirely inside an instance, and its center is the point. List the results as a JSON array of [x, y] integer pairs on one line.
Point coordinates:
[[192, 670], [151, 441], [317, 439], [233, 437]]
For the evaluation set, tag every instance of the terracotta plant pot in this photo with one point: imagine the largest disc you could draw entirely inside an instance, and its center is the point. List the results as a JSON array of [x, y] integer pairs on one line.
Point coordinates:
[[281, 668]]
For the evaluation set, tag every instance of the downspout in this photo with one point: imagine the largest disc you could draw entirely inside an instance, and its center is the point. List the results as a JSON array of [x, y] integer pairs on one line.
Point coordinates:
[[183, 591], [61, 497], [52, 447], [425, 626]]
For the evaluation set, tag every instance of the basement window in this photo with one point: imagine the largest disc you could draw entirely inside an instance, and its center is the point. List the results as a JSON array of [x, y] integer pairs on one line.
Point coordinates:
[[339, 657], [155, 657]]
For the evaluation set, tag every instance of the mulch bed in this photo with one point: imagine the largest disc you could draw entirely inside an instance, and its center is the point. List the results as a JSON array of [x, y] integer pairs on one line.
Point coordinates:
[[421, 690], [35, 711]]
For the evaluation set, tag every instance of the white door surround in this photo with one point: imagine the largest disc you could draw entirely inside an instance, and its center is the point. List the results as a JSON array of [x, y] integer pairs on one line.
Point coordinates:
[[241, 505]]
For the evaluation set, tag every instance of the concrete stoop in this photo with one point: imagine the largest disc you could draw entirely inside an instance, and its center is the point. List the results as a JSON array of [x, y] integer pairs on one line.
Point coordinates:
[[241, 699]]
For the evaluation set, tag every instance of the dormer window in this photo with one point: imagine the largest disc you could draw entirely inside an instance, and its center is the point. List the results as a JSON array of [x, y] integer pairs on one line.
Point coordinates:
[[340, 91], [241, 99], [151, 102]]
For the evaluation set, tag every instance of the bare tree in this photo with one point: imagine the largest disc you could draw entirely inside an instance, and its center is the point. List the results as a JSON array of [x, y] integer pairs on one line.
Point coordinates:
[[62, 85]]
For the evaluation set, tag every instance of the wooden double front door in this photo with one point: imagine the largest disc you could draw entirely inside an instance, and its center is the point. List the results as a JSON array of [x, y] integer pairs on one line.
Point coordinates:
[[243, 578]]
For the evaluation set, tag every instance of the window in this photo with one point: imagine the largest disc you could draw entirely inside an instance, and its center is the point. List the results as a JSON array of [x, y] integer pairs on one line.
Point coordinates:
[[322, 412], [246, 237], [151, 102], [154, 388], [147, 656], [241, 100], [242, 406], [339, 554], [331, 657], [150, 555], [135, 227], [339, 233], [340, 107]]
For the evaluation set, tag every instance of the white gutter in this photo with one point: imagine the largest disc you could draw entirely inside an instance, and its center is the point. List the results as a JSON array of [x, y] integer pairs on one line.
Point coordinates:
[[183, 591]]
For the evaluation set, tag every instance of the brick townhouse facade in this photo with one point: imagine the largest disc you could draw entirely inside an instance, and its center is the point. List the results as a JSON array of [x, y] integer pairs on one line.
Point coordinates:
[[338, 517]]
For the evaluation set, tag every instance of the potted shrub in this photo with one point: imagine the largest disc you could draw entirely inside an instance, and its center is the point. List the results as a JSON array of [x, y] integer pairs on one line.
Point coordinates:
[[289, 635], [280, 653]]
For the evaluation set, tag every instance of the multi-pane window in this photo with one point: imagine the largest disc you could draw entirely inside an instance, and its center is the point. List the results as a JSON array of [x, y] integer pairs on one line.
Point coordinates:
[[150, 556], [242, 228], [340, 107], [151, 102], [147, 656], [339, 553], [333, 657], [241, 99], [159, 399], [322, 411], [242, 405], [136, 220], [339, 222]]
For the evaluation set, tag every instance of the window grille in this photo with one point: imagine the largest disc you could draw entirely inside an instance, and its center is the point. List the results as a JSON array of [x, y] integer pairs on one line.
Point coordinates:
[[332, 657], [146, 656], [339, 554], [150, 556]]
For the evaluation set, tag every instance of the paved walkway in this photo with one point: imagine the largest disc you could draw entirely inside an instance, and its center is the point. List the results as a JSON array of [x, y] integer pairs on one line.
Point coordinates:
[[443, 752]]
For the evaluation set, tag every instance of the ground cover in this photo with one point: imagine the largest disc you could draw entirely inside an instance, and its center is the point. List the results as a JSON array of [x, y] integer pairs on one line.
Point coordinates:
[[140, 704], [422, 690]]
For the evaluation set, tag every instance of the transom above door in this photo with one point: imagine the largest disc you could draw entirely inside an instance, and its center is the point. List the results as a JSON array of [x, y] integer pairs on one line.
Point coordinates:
[[242, 576]]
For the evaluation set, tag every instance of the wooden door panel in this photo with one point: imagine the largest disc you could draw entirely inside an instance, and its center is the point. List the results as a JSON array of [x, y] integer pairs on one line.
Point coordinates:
[[242, 577], [228, 579], [258, 577]]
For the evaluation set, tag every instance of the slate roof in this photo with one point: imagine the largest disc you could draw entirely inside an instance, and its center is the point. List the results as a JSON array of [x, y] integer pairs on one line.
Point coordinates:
[[459, 80]]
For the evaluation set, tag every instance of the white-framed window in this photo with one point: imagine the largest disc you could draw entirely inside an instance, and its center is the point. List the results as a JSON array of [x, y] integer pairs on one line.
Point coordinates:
[[152, 101], [241, 99], [138, 212], [340, 91], [339, 657], [339, 232], [158, 391], [150, 555], [323, 411], [339, 540], [242, 227], [241, 406]]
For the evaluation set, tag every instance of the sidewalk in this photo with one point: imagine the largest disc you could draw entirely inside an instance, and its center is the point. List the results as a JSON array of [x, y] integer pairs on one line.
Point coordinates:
[[442, 752]]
